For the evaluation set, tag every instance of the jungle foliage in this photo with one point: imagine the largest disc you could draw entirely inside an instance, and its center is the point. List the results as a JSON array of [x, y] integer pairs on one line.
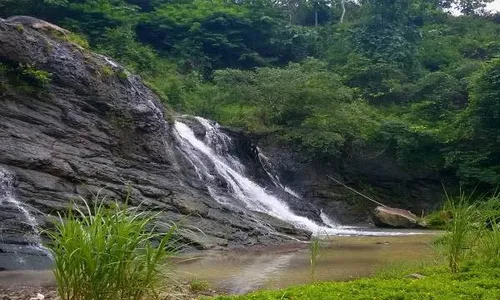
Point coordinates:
[[328, 77]]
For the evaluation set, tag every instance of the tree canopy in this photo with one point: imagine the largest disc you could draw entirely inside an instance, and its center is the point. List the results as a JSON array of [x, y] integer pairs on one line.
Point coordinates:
[[327, 76]]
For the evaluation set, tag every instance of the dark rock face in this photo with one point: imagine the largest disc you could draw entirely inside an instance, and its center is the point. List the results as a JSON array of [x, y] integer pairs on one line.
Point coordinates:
[[378, 176], [96, 131]]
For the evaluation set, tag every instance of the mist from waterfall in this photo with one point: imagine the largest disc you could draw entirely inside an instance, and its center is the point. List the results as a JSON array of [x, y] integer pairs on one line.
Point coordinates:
[[226, 181]]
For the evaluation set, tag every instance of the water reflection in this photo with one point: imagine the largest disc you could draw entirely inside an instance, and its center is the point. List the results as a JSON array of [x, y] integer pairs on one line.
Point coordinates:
[[257, 273], [341, 258]]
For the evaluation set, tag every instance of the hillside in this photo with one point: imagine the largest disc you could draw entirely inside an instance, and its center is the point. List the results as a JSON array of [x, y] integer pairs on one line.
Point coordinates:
[[397, 78]]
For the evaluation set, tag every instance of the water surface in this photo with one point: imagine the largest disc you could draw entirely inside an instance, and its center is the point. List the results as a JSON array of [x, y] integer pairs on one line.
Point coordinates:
[[242, 271], [341, 258]]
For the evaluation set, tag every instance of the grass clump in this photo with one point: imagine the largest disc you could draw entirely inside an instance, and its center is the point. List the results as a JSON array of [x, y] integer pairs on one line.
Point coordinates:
[[459, 240], [107, 71], [71, 37], [197, 285], [19, 28], [473, 231], [314, 252], [39, 78], [108, 252], [489, 241], [77, 39]]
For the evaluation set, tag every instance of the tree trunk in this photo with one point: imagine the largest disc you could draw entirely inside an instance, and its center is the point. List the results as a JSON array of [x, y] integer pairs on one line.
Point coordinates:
[[342, 2]]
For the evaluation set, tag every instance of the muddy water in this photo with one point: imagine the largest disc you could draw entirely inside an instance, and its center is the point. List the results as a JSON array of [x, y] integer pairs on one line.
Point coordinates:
[[341, 258]]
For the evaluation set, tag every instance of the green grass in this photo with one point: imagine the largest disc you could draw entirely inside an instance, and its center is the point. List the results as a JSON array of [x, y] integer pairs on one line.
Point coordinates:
[[76, 39], [197, 285], [470, 267], [461, 229], [477, 283], [488, 247], [106, 252]]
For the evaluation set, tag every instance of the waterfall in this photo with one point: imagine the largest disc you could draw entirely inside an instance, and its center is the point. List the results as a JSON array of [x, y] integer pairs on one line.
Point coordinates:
[[271, 172], [224, 176], [8, 200]]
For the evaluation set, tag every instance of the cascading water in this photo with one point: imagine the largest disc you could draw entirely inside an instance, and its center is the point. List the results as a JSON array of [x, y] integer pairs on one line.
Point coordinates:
[[227, 183], [268, 167], [8, 201]]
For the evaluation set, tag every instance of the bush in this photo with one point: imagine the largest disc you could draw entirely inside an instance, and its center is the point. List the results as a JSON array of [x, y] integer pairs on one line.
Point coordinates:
[[106, 253]]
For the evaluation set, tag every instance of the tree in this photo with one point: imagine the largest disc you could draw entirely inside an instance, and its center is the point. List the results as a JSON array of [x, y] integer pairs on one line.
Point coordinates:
[[484, 107], [467, 7], [390, 32], [475, 154]]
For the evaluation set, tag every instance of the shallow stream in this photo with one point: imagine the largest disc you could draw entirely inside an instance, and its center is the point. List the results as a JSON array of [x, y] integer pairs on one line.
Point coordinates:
[[340, 258]]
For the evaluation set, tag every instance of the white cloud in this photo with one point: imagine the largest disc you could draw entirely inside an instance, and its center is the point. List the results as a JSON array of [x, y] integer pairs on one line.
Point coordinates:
[[495, 5]]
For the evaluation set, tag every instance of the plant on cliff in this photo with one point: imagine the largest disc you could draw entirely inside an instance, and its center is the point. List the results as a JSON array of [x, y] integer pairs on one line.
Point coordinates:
[[34, 75], [24, 78], [108, 253]]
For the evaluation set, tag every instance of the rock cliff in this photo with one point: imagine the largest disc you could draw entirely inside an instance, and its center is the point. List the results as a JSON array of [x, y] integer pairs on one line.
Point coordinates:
[[92, 127]]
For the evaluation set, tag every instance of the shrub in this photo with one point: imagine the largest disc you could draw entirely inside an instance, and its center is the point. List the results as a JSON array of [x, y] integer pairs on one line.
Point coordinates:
[[106, 253]]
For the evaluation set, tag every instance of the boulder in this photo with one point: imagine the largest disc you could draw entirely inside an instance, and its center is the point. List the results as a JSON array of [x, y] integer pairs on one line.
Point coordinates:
[[395, 217], [36, 24]]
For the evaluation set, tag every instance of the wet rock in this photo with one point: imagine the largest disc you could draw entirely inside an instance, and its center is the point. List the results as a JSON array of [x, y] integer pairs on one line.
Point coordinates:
[[198, 129], [368, 170]]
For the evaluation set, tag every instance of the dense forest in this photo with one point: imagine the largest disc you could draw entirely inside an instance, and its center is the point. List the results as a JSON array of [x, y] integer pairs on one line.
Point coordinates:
[[401, 77]]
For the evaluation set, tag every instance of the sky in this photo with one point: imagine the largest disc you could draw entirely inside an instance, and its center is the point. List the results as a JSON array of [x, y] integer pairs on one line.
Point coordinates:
[[495, 5]]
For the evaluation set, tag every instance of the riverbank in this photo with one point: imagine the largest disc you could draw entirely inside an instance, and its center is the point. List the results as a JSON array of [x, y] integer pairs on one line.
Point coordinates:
[[473, 282], [176, 291], [244, 270]]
